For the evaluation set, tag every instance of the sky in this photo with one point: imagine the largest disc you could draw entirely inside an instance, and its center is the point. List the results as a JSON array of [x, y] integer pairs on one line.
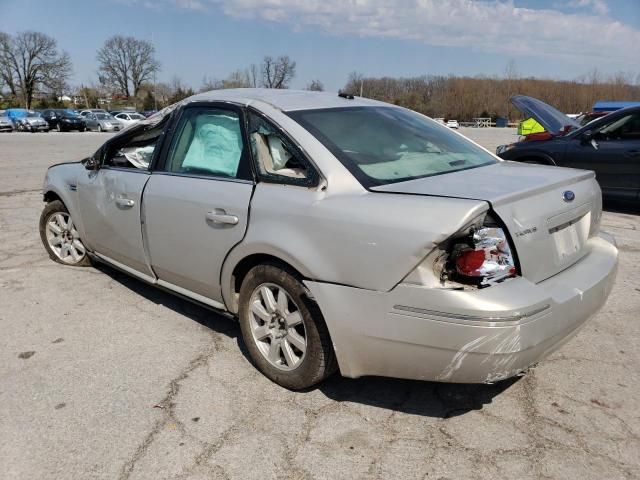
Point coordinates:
[[560, 39]]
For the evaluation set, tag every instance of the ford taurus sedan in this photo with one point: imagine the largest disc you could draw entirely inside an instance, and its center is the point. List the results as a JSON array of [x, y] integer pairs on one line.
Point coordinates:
[[342, 233]]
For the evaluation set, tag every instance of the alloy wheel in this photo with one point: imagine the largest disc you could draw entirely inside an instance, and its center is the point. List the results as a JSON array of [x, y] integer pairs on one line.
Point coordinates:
[[277, 326], [63, 238]]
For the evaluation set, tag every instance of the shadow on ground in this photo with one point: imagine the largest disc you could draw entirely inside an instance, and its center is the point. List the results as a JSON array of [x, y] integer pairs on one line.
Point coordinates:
[[617, 206], [429, 399]]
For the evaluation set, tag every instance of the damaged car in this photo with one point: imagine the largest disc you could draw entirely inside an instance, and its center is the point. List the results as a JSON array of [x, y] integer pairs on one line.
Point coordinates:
[[342, 233], [609, 145]]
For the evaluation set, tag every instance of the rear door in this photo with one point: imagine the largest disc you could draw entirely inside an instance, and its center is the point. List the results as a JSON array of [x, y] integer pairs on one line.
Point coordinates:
[[614, 154], [196, 203]]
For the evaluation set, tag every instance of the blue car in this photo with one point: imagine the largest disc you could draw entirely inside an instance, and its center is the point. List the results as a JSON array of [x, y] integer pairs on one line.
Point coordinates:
[[27, 120]]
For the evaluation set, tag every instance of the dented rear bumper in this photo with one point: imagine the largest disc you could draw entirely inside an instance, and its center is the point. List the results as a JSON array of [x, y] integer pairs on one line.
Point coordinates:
[[464, 336]]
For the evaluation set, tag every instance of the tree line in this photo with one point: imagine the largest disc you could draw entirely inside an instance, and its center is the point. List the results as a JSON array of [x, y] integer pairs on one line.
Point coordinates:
[[32, 67], [465, 98]]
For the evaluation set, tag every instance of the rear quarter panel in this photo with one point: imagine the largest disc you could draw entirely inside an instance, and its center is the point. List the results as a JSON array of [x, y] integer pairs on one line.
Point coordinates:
[[365, 240]]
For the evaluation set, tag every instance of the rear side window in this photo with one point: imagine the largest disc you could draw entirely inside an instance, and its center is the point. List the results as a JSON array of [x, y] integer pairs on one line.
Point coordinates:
[[278, 160], [381, 145]]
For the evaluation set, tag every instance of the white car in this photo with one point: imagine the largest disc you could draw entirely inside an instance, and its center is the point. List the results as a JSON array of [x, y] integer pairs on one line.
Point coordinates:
[[453, 124], [129, 118]]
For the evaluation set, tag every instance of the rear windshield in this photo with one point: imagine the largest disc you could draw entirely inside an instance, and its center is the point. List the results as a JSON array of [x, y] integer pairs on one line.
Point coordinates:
[[382, 145]]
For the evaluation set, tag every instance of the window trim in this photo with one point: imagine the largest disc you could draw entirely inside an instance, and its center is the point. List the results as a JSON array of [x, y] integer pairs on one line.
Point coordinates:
[[311, 181], [160, 163]]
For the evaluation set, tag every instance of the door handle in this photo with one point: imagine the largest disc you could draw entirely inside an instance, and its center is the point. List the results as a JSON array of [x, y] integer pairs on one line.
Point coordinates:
[[125, 202], [219, 216]]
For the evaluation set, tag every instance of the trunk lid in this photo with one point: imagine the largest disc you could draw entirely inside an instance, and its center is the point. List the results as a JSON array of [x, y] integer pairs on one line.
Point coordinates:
[[548, 229], [550, 118]]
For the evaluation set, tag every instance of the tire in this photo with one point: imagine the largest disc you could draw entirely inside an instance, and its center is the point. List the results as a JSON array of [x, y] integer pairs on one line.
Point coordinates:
[[58, 127], [68, 238], [100, 128], [310, 366]]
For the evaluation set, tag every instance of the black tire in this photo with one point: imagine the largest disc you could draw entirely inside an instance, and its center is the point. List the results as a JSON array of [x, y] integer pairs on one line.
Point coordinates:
[[51, 208], [58, 127], [319, 360]]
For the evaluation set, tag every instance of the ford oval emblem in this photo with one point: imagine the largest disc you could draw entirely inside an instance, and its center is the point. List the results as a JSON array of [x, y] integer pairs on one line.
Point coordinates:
[[568, 196]]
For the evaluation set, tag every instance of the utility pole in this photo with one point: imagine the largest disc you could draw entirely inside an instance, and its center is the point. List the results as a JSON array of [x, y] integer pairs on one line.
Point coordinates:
[[361, 82]]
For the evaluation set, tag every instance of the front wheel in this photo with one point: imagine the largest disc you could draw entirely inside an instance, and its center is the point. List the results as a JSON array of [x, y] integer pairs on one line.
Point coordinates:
[[283, 329], [58, 127], [100, 128], [60, 237]]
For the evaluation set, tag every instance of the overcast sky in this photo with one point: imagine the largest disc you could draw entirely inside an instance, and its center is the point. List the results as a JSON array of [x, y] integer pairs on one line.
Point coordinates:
[[330, 38]]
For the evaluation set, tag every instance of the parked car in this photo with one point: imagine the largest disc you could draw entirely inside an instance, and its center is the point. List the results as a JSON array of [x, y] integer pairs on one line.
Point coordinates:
[[84, 113], [63, 120], [610, 146], [341, 232], [148, 113], [129, 118], [6, 125], [102, 122], [27, 120], [453, 124]]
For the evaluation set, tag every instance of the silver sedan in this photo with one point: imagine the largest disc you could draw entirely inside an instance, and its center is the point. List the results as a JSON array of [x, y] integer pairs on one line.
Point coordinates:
[[102, 122], [342, 233]]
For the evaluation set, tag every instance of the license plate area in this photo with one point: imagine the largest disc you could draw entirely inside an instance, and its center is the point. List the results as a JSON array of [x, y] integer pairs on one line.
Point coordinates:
[[570, 238]]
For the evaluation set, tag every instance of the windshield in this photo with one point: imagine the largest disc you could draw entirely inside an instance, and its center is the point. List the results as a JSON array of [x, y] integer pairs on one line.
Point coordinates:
[[104, 116], [33, 114], [381, 145]]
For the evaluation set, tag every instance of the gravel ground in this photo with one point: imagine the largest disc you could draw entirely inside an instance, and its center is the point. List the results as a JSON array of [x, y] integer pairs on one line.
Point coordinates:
[[102, 376]]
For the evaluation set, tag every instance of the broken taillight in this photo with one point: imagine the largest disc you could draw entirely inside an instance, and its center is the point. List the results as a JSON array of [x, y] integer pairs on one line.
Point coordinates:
[[480, 258], [477, 256]]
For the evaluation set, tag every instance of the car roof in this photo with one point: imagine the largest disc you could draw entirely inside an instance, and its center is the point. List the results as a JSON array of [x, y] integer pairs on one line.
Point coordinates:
[[285, 100]]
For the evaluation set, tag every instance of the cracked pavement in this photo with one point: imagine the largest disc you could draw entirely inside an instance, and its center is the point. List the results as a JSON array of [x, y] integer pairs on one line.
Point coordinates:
[[102, 376]]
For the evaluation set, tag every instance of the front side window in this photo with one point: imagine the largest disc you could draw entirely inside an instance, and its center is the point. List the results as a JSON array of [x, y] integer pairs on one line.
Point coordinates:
[[136, 150], [381, 145], [208, 141], [625, 128]]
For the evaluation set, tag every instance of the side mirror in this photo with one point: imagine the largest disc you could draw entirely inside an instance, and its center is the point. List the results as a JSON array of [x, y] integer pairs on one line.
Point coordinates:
[[91, 163], [586, 137]]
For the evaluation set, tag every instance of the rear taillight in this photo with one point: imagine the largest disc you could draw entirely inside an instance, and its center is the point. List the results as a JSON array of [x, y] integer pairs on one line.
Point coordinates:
[[480, 258], [477, 256]]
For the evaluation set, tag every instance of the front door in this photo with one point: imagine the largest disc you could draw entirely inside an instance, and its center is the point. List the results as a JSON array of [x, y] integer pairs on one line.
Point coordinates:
[[196, 203], [110, 199], [614, 154]]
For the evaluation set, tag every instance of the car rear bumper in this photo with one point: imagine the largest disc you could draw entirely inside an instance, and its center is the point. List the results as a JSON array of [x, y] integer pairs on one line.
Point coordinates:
[[475, 336]]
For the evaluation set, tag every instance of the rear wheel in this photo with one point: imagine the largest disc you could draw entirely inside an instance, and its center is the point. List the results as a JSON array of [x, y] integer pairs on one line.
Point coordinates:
[[58, 127], [283, 329], [60, 236]]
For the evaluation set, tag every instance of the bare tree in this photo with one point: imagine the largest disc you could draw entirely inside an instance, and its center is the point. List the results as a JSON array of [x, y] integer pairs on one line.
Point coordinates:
[[30, 61], [126, 63], [277, 72], [315, 86], [7, 76], [254, 75]]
